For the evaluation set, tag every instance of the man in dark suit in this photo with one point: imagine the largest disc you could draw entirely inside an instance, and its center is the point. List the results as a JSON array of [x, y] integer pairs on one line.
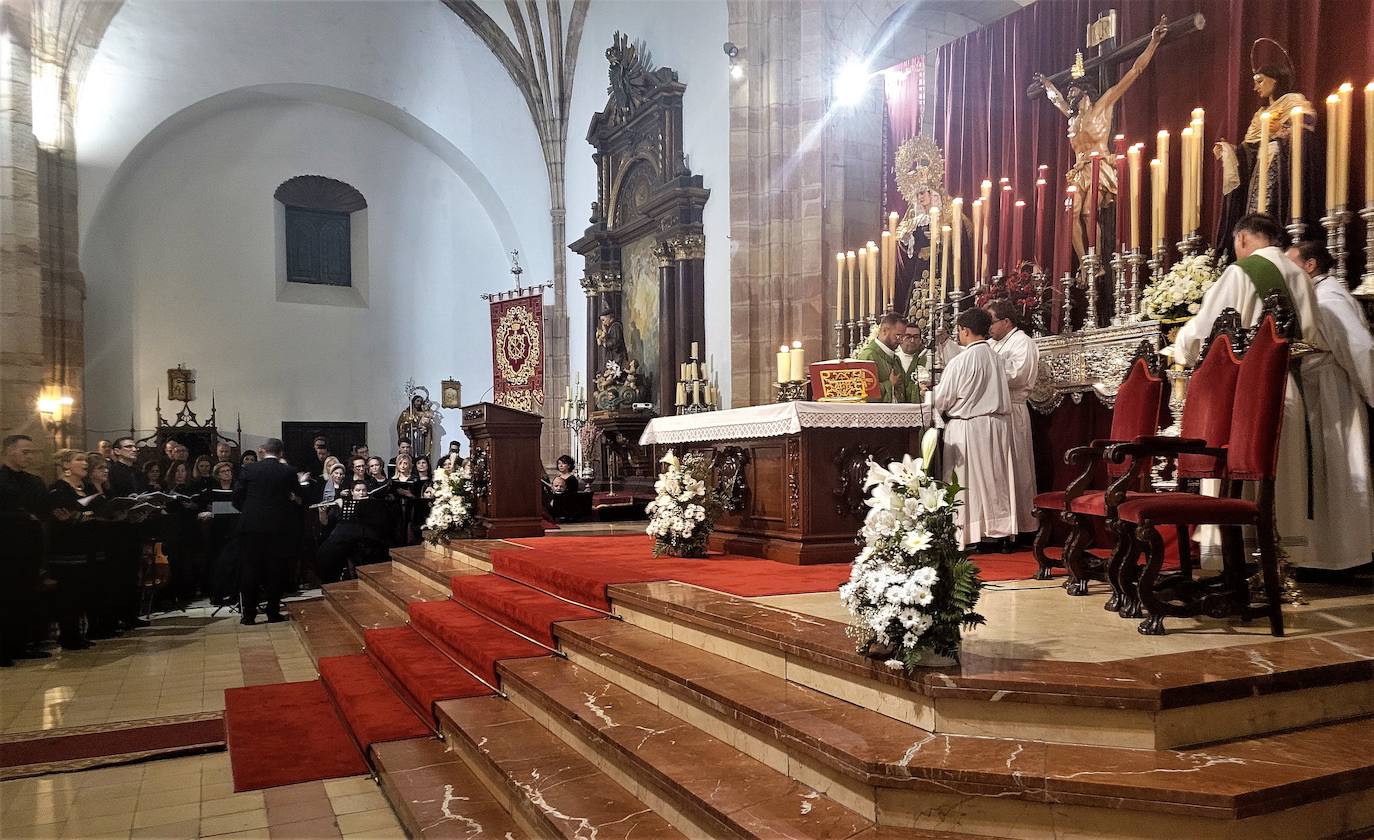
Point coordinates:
[[266, 493], [124, 552]]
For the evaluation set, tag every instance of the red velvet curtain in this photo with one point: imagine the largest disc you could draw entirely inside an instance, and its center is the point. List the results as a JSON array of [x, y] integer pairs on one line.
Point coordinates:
[[904, 89], [990, 129]]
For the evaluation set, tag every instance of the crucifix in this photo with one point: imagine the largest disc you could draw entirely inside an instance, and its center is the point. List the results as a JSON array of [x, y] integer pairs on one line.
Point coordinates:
[[1090, 113]]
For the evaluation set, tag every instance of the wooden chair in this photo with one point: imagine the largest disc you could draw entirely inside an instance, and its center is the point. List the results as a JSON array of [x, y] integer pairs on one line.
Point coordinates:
[[1135, 414], [1250, 454]]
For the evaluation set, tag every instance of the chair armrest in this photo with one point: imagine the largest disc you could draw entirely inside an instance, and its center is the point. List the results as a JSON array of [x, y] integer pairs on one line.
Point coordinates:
[[1086, 452], [1158, 445]]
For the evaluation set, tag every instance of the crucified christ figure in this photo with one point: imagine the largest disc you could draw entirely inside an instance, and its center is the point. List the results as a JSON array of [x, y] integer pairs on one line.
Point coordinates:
[[1090, 127]]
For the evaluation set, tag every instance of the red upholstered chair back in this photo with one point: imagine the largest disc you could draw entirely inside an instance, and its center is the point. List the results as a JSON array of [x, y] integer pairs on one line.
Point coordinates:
[[1257, 416], [1207, 410], [1136, 411]]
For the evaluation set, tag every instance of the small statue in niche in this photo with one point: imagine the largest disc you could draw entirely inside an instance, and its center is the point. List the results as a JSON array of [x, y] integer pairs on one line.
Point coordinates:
[[620, 387], [416, 423], [634, 379], [610, 337]]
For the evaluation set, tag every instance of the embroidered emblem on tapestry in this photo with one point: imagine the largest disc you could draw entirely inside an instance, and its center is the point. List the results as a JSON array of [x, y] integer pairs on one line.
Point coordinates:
[[517, 351]]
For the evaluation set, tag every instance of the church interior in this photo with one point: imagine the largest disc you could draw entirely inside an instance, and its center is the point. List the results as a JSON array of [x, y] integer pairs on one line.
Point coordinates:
[[687, 418]]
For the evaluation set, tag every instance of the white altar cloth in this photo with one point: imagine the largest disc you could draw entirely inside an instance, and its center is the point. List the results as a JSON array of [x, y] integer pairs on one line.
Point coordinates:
[[761, 421]]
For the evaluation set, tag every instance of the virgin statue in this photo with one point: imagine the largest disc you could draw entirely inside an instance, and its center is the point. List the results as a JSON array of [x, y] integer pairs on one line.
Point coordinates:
[[1240, 175]]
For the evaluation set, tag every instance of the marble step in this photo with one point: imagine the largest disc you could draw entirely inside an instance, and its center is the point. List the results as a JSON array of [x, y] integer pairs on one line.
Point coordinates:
[[359, 610], [1155, 702], [433, 566], [866, 757], [546, 786], [704, 784], [435, 795], [397, 588], [321, 630]]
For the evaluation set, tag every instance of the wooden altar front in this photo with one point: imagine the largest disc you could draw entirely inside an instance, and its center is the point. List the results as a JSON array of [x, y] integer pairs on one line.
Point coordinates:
[[793, 473]]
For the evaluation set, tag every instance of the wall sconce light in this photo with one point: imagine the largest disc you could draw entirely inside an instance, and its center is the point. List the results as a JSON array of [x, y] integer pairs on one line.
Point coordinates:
[[54, 407], [736, 66]]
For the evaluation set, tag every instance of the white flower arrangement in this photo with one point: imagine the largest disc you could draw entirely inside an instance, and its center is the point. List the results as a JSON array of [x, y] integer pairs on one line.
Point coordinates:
[[912, 589], [684, 511], [453, 512], [1178, 294]]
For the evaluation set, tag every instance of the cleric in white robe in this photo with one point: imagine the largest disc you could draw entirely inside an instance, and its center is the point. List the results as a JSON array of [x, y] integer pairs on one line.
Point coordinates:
[[1260, 269], [1337, 385], [972, 403], [1021, 359]]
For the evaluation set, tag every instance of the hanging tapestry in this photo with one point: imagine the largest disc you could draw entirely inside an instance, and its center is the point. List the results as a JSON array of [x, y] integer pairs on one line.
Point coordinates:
[[517, 350]]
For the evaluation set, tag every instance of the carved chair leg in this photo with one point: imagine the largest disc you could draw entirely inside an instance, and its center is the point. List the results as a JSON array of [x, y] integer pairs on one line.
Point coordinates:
[[1185, 551], [1124, 550], [1075, 552], [1233, 573], [1153, 625], [1045, 565], [1128, 577], [1269, 567]]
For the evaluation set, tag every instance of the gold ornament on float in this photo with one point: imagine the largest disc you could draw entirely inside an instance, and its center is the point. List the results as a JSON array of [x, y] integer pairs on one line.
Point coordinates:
[[919, 166]]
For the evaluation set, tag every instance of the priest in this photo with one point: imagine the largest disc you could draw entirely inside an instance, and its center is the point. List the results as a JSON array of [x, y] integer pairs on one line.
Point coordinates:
[[971, 401], [1021, 360], [1261, 269], [881, 349], [911, 354], [1337, 386]]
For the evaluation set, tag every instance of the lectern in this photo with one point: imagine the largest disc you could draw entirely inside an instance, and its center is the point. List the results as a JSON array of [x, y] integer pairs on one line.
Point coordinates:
[[506, 469]]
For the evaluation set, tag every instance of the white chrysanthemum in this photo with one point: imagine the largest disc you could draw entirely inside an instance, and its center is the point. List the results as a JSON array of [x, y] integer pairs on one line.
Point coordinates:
[[925, 576], [915, 541]]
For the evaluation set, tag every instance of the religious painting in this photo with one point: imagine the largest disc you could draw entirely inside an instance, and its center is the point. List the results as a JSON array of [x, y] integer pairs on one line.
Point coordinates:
[[181, 384], [639, 311], [451, 393]]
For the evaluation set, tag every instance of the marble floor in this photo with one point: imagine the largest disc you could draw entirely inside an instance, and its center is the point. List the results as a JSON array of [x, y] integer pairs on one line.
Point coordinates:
[[181, 665], [188, 797], [1037, 620]]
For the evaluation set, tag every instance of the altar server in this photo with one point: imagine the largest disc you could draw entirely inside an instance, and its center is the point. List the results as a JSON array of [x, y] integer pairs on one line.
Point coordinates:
[[972, 403], [1021, 360], [1337, 387], [1259, 270]]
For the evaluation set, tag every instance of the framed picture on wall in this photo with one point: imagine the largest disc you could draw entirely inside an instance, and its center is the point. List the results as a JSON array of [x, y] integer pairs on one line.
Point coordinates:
[[181, 384], [451, 393]]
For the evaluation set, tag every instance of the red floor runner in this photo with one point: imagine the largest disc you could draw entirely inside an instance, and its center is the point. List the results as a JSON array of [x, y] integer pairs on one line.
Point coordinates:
[[31, 753], [286, 733], [371, 707], [418, 667], [475, 641], [516, 605]]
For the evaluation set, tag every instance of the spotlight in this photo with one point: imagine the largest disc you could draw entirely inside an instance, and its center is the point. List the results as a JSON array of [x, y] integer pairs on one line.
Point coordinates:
[[851, 84], [736, 68]]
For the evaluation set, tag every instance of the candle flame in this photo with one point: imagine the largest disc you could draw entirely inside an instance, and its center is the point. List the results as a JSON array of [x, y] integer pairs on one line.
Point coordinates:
[[1333, 99], [1020, 203], [1346, 87], [1040, 182]]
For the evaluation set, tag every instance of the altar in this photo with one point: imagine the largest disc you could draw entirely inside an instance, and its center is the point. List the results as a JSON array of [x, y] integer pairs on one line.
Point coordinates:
[[792, 472]]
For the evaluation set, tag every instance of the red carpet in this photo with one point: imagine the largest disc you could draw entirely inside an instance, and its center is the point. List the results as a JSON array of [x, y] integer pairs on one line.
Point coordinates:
[[286, 733], [373, 711], [473, 640], [417, 666], [516, 606], [83, 747]]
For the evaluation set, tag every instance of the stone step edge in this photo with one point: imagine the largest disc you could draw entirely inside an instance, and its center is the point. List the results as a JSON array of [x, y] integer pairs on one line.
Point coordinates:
[[322, 611], [461, 775], [508, 792], [333, 597], [967, 688], [371, 581]]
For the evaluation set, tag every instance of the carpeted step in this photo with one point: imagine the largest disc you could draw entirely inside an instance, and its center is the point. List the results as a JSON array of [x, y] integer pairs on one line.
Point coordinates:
[[373, 710], [574, 576], [399, 589], [419, 668], [435, 795], [286, 733], [360, 610], [516, 606], [477, 642], [721, 790], [550, 789]]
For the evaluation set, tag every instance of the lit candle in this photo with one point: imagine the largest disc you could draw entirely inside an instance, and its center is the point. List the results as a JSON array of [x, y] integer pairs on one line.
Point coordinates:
[[1094, 189], [798, 368], [873, 277], [1333, 120], [1004, 227], [1018, 219], [1156, 202], [681, 394], [1262, 202], [863, 282], [892, 220], [696, 392], [1041, 189], [1343, 139], [985, 267], [695, 349], [957, 210], [1119, 163], [839, 286], [1133, 164], [1199, 165], [849, 259], [934, 247], [977, 238], [1162, 153], [885, 252], [1185, 164], [784, 364], [1295, 132], [945, 234], [1369, 148], [1063, 257]]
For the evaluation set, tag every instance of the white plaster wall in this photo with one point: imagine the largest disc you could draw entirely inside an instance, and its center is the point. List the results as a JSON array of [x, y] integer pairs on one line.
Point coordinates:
[[175, 220], [686, 35], [187, 275]]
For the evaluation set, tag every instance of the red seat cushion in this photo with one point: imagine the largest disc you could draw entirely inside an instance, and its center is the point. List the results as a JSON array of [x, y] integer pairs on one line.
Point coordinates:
[[1094, 503], [1189, 509], [1052, 500]]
